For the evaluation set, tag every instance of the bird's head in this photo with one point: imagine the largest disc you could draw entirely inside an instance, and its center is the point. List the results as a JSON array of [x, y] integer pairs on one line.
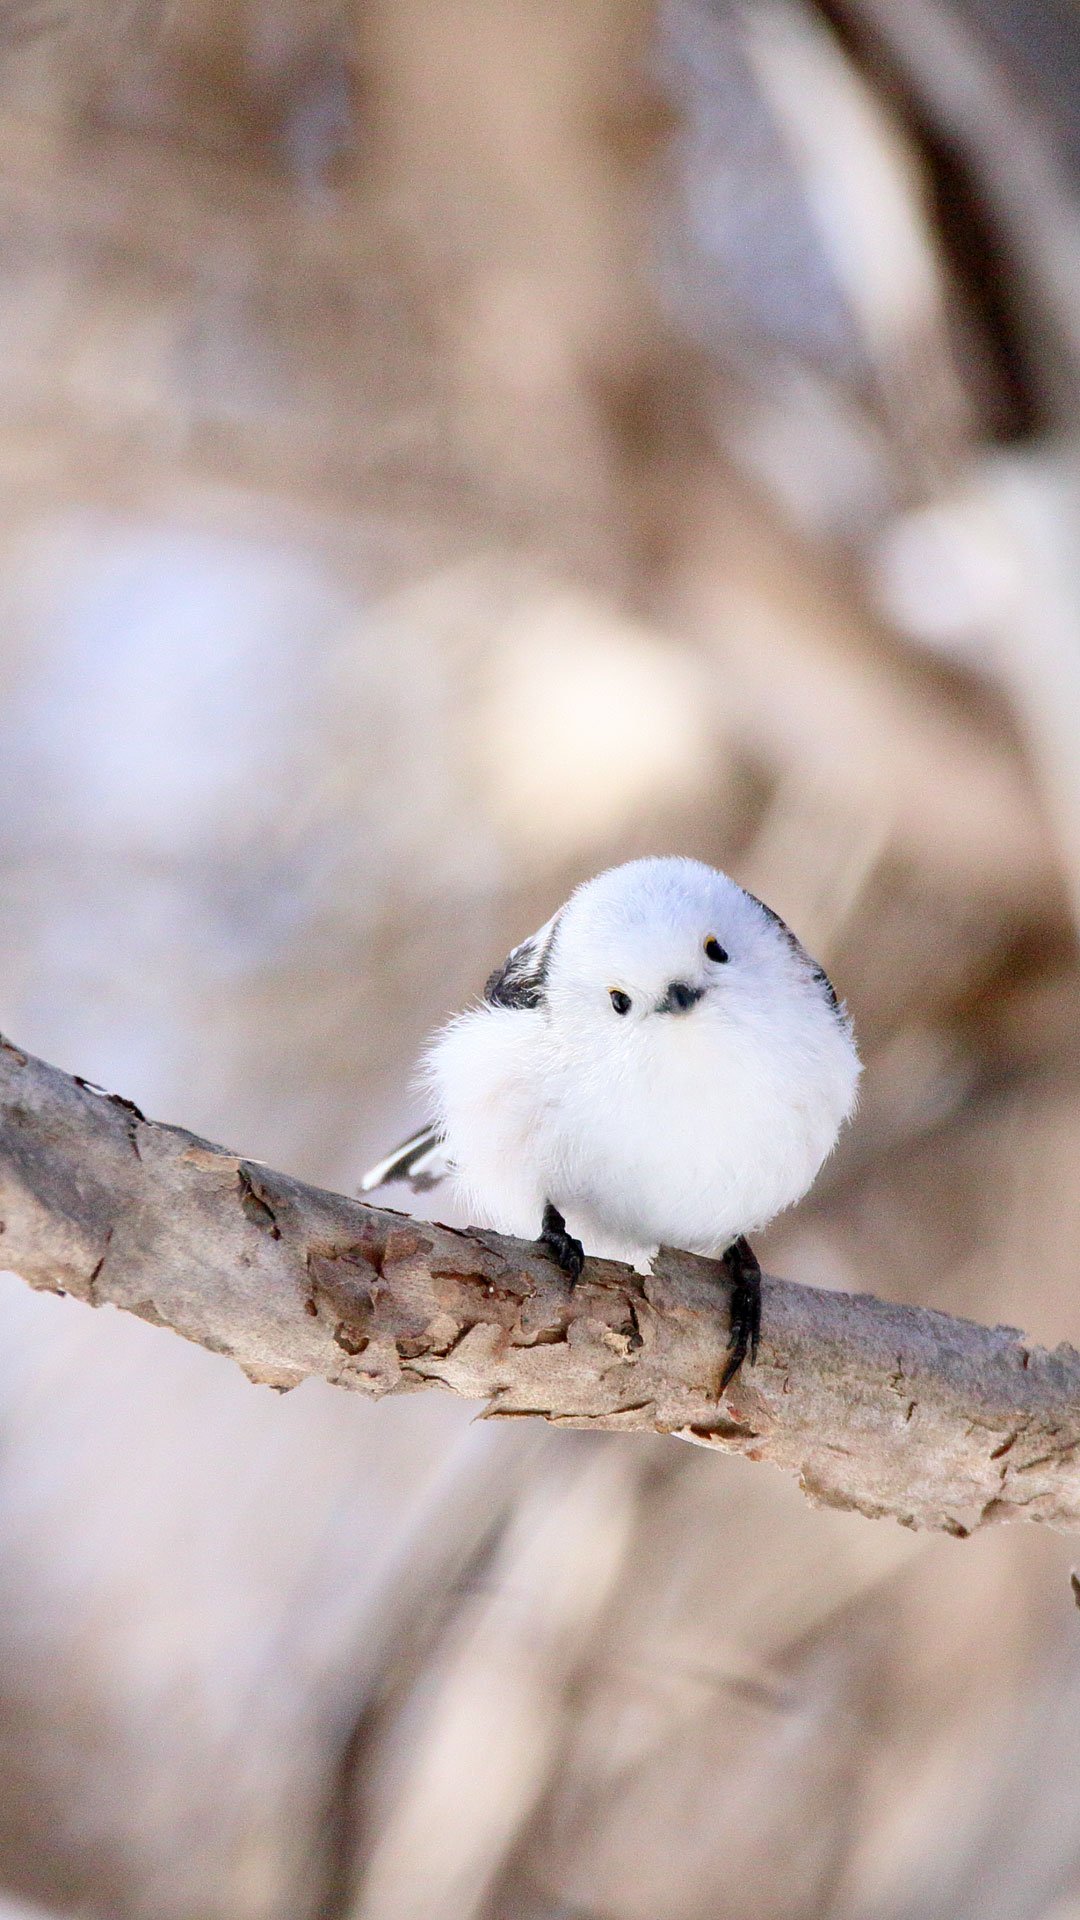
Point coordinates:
[[664, 944]]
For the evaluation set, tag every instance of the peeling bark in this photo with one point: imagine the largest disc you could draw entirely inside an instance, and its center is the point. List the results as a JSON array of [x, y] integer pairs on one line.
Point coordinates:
[[884, 1409]]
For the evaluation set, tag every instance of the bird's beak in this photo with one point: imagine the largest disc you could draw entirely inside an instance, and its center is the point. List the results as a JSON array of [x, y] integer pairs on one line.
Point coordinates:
[[680, 997]]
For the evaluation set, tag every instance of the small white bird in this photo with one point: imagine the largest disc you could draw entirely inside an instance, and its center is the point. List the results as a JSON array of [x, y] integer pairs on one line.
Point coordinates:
[[662, 1064]]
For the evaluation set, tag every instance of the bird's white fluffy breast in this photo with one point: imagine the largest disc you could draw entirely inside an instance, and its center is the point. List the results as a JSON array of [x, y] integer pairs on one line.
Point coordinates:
[[709, 1125], [684, 1132]]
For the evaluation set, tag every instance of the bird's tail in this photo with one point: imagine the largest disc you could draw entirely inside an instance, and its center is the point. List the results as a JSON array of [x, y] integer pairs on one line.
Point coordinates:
[[420, 1160]]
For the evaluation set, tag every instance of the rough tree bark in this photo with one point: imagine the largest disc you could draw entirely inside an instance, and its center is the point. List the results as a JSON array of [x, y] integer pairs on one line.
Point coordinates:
[[890, 1410]]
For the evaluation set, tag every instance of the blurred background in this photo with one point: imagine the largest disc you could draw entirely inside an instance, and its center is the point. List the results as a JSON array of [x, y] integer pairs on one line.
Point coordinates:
[[446, 448]]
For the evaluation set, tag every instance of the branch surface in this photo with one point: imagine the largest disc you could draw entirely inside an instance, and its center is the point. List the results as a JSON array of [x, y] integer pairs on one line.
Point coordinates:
[[886, 1409]]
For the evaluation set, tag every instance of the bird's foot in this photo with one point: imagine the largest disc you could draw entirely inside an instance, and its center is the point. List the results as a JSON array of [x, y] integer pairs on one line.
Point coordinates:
[[745, 1274], [568, 1253]]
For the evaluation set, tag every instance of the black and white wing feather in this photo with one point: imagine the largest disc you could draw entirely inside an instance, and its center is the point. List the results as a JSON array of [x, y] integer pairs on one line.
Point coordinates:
[[421, 1160], [522, 978]]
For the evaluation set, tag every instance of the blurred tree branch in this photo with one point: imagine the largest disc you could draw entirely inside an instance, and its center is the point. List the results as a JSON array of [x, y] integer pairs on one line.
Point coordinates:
[[886, 1409], [947, 64]]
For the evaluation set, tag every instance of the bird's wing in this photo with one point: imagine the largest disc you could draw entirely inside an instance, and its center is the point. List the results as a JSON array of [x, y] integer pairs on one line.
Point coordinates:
[[521, 979], [420, 1160]]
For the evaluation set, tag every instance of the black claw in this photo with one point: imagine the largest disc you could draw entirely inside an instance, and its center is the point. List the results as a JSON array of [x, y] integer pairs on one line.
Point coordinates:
[[742, 1265], [567, 1252]]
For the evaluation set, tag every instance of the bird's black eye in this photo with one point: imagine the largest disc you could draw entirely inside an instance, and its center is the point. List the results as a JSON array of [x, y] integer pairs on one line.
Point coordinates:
[[619, 1000], [713, 949]]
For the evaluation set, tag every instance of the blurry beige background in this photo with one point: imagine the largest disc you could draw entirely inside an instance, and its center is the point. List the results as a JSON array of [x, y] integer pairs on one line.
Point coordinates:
[[446, 448]]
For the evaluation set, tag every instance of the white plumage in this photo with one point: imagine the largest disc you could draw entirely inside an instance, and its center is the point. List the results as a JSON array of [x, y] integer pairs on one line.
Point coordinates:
[[688, 1117]]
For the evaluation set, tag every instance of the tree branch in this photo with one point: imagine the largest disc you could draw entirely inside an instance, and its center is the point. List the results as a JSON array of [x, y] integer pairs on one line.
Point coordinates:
[[882, 1408]]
